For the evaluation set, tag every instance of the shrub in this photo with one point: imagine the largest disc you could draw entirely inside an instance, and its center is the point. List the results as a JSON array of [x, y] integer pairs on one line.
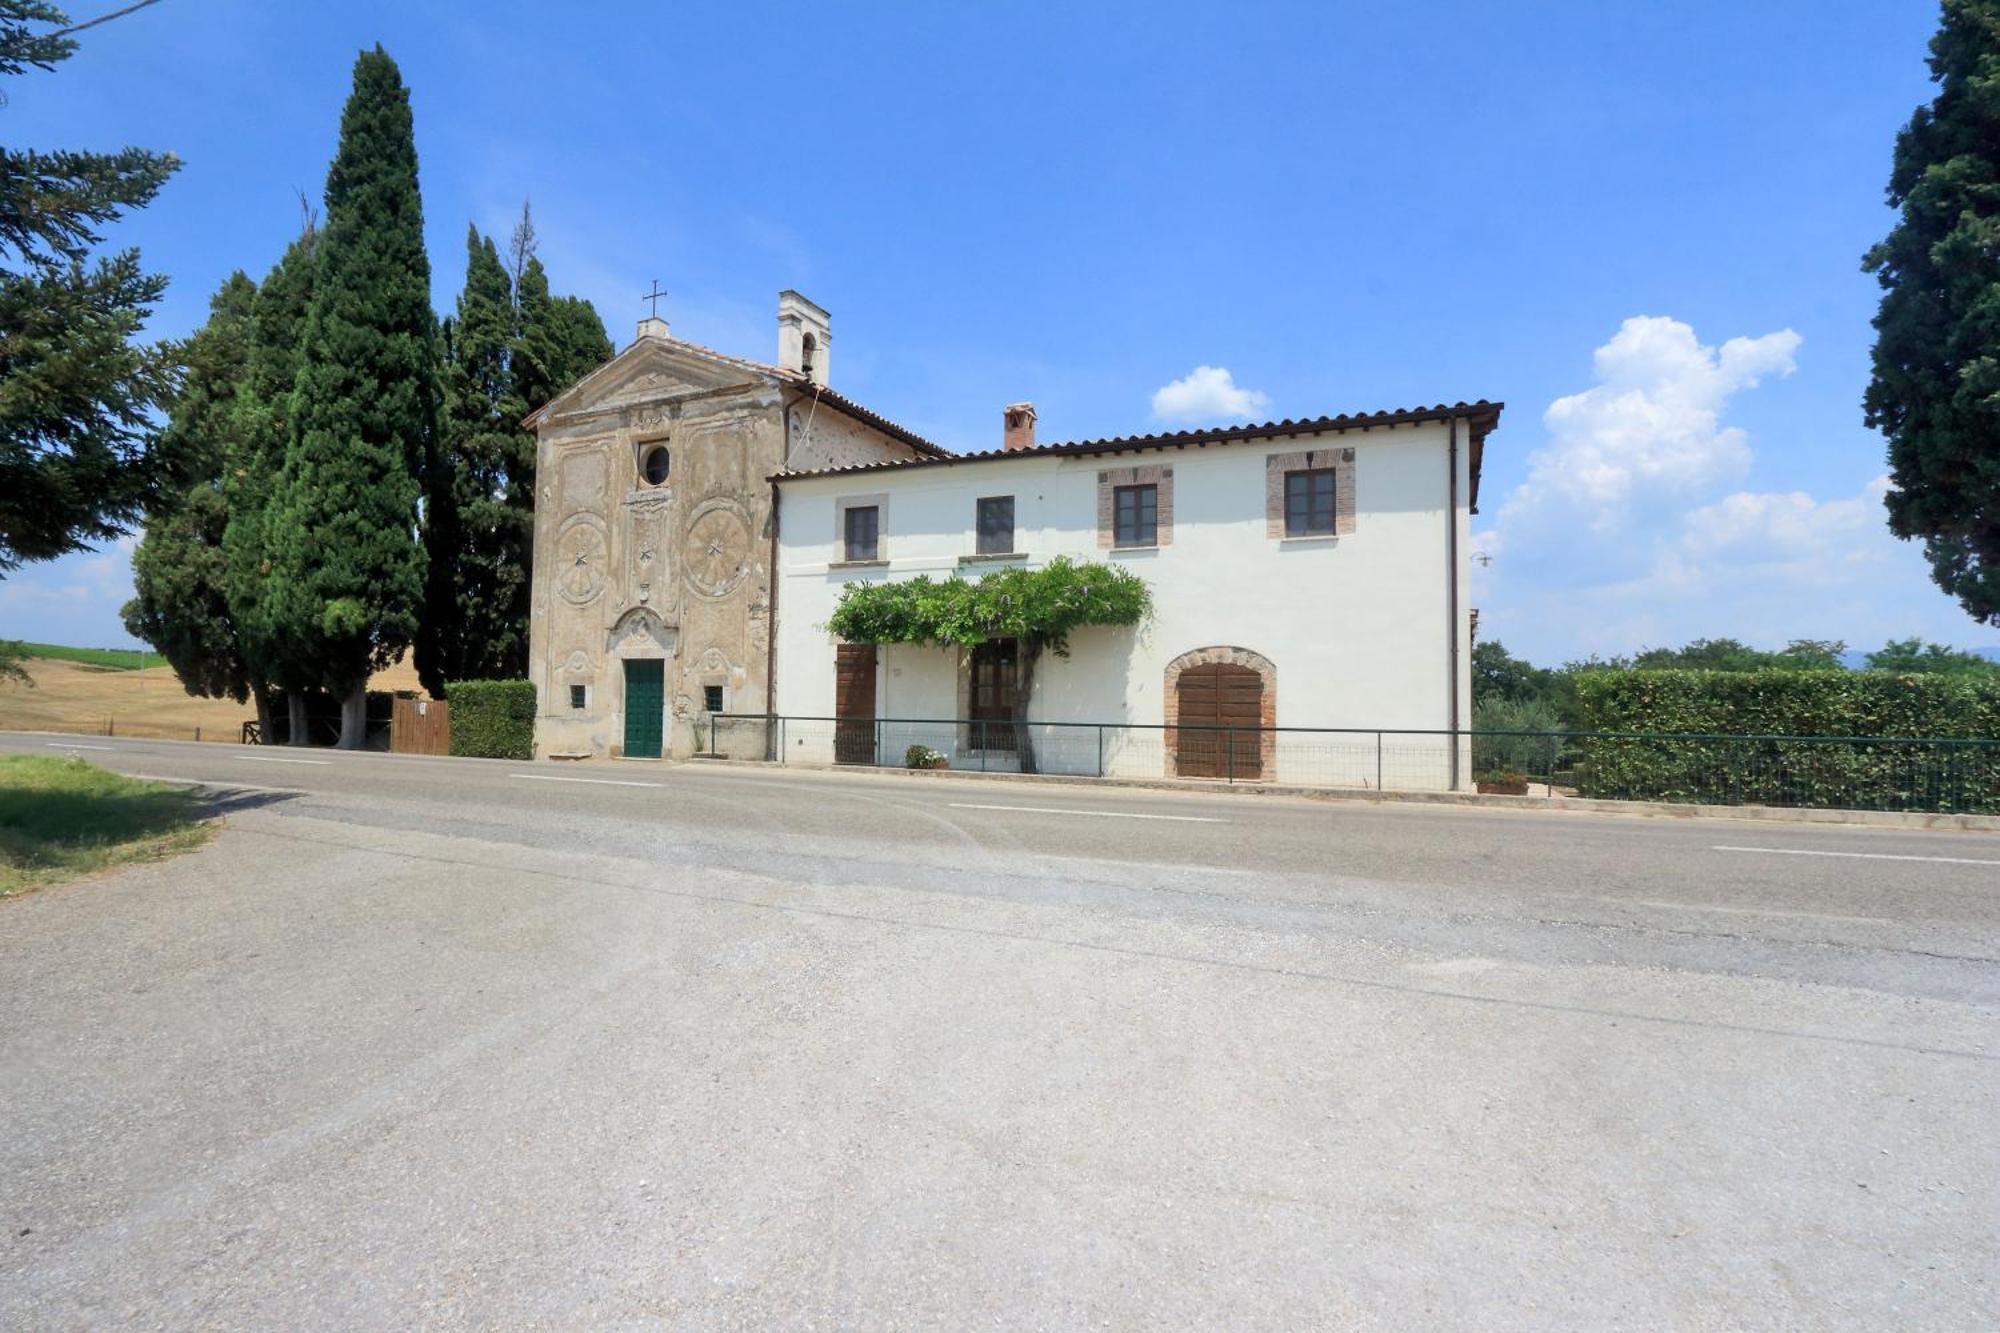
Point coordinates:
[[492, 719], [922, 756], [1529, 754], [1752, 749]]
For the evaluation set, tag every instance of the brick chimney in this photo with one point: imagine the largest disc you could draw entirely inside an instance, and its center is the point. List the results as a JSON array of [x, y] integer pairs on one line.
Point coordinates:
[[1020, 429]]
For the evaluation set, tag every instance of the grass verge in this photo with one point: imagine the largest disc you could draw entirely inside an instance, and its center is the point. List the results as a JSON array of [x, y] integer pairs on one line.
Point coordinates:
[[60, 818]]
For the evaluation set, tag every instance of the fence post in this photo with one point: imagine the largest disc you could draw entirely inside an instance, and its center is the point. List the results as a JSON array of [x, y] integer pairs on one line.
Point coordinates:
[[878, 742], [781, 739], [1100, 749], [197, 733], [1549, 765], [1378, 761], [1230, 769]]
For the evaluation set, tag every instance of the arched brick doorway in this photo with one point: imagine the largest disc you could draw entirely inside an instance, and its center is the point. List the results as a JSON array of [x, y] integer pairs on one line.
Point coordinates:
[[1220, 705]]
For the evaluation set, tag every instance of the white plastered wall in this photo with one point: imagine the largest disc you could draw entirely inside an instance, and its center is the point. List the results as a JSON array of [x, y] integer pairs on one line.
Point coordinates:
[[1356, 627]]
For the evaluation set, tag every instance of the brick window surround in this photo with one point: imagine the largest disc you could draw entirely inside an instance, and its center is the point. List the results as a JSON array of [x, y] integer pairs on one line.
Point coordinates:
[[1151, 474], [1233, 656], [1277, 465]]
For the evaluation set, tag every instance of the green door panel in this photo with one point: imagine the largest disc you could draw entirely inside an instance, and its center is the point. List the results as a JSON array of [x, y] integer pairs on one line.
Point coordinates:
[[645, 702]]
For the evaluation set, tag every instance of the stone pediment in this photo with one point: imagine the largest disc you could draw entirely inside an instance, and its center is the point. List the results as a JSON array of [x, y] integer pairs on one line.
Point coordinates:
[[652, 370]]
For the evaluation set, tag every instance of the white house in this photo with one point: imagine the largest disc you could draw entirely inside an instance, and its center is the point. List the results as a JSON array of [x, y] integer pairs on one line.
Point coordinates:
[[1308, 581]]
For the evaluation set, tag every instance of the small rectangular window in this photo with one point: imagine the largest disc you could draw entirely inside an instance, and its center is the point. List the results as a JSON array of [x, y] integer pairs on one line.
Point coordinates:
[[1309, 503], [863, 533], [996, 525], [1135, 515], [711, 698], [576, 696]]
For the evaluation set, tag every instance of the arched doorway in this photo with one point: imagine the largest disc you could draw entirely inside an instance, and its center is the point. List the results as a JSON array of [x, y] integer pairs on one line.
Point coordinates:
[[1220, 706]]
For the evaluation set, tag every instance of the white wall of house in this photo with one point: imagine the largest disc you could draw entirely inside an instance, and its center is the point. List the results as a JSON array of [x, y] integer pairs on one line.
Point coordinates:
[[1356, 626]]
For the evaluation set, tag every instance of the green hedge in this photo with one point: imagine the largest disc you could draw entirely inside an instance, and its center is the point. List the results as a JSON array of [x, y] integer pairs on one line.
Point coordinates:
[[1719, 746], [492, 719]]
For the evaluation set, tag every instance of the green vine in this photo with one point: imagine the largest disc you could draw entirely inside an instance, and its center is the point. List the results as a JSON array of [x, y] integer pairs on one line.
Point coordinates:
[[1039, 608]]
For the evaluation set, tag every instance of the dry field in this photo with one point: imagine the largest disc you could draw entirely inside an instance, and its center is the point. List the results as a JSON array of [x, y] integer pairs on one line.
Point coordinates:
[[71, 697]]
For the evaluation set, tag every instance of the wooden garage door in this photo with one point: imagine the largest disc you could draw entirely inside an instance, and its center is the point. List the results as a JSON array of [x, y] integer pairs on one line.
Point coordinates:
[[1212, 697], [854, 703]]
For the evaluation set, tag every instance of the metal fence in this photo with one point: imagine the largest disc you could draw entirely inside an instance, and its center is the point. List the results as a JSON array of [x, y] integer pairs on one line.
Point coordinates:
[[1836, 772]]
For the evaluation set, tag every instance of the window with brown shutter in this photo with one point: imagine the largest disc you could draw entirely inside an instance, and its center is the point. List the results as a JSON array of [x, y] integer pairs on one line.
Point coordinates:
[[996, 525], [1135, 515], [1309, 508], [863, 532]]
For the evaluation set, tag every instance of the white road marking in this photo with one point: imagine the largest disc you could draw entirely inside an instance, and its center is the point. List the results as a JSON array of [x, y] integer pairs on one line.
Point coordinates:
[[1859, 856], [269, 759], [1752, 911], [1097, 814], [72, 745], [598, 782], [223, 784]]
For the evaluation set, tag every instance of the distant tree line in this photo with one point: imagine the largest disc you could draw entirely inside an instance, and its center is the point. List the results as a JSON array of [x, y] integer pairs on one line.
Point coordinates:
[[1512, 694], [350, 478]]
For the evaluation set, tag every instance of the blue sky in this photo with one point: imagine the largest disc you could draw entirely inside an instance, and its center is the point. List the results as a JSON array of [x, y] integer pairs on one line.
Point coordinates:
[[1640, 225]]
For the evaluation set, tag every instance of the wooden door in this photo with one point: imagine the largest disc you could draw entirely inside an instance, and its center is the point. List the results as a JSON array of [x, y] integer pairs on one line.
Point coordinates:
[[645, 706], [854, 703], [990, 695], [1221, 711]]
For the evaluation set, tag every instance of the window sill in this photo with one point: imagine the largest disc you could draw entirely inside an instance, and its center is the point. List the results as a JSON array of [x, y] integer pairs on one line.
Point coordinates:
[[985, 556], [1311, 539], [858, 564], [1132, 550]]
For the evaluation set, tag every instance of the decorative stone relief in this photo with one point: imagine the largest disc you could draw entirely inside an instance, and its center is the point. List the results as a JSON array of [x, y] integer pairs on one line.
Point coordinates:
[[717, 549], [584, 474], [641, 633], [647, 562], [582, 551]]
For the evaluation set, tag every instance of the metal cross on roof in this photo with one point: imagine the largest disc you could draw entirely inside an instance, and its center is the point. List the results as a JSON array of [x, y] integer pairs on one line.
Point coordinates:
[[654, 296]]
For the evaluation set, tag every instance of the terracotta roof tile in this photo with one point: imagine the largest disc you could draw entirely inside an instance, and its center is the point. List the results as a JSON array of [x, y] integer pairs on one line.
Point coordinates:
[[1481, 417]]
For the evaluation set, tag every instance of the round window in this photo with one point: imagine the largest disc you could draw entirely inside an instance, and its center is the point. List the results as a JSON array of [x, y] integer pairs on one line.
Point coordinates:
[[655, 465]]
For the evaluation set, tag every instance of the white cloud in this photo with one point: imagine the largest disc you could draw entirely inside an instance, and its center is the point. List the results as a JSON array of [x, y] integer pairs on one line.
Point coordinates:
[[1651, 425], [1627, 533], [1207, 394]]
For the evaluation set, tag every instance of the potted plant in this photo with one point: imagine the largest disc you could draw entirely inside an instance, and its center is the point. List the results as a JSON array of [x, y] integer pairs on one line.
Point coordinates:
[[923, 756]]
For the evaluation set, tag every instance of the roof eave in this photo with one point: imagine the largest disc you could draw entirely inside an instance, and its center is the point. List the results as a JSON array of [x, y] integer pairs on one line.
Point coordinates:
[[1481, 418]]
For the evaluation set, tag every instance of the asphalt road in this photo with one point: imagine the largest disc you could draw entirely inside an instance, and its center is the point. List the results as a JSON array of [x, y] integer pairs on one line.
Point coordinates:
[[444, 1042]]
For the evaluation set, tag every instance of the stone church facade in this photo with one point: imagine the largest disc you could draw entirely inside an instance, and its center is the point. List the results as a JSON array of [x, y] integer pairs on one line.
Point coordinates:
[[655, 530]]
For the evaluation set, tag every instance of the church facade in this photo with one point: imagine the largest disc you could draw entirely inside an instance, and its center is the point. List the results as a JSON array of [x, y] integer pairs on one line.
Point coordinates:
[[654, 530]]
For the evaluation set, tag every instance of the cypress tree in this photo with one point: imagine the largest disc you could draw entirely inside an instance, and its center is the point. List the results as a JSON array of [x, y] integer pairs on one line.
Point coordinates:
[[250, 477], [179, 569], [478, 577], [1936, 386], [347, 570]]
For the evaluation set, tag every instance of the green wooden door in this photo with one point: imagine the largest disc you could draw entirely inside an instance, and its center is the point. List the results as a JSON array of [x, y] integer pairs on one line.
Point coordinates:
[[645, 702]]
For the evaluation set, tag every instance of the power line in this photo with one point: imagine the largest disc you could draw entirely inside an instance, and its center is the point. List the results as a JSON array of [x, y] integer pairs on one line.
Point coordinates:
[[101, 18]]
